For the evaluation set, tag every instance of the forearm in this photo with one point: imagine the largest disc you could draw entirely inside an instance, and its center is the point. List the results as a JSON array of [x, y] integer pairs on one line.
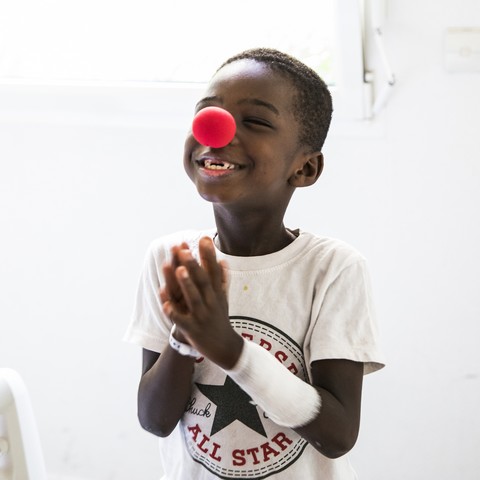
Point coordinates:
[[313, 411], [164, 392], [331, 432]]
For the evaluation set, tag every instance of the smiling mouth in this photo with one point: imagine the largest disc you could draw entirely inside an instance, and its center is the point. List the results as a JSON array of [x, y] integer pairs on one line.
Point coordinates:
[[209, 164]]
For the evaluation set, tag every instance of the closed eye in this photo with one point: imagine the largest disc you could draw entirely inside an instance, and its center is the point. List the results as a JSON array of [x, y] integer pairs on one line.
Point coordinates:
[[258, 121]]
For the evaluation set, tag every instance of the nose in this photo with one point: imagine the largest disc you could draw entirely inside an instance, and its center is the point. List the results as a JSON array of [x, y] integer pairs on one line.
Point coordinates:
[[214, 127]]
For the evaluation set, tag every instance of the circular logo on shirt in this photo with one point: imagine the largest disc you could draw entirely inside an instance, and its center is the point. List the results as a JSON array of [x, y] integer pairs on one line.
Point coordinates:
[[223, 428]]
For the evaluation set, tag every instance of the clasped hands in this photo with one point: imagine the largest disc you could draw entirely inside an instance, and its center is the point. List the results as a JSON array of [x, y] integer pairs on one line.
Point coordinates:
[[195, 299]]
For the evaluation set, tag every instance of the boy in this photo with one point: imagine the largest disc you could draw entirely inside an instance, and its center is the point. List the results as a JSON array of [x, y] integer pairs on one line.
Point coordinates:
[[261, 374]]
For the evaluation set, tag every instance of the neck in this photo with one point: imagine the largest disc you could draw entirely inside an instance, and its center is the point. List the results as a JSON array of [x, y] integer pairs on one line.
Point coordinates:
[[251, 234]]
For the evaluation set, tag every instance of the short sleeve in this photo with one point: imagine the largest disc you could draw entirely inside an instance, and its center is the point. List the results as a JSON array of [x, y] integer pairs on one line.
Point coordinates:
[[149, 327], [346, 325]]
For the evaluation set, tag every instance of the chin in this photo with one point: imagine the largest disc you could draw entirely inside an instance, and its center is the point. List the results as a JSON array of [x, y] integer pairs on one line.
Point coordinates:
[[211, 198]]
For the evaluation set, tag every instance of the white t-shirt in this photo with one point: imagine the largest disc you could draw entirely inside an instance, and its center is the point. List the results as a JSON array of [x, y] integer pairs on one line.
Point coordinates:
[[309, 301]]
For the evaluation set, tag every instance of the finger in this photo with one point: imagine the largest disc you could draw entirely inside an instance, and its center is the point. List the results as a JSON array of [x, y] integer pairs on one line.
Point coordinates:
[[191, 293], [169, 274], [175, 262], [172, 291], [198, 275], [172, 287], [167, 308], [208, 260], [163, 294], [174, 252]]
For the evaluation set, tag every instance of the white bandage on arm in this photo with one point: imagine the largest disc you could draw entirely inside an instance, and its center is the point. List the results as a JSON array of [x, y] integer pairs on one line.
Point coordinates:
[[285, 398]]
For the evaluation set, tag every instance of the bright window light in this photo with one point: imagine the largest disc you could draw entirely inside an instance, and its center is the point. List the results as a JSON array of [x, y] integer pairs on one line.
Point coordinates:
[[156, 40]]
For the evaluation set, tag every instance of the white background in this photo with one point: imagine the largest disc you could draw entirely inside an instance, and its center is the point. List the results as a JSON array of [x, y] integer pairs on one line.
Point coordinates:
[[81, 197]]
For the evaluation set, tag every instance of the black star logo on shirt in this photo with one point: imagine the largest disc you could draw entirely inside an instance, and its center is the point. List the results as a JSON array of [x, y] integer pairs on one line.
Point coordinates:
[[232, 404]]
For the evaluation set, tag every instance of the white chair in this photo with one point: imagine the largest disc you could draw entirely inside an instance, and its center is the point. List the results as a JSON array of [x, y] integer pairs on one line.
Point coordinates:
[[21, 456]]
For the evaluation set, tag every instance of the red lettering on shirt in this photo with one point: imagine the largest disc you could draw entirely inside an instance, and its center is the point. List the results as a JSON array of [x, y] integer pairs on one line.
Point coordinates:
[[248, 336], [204, 444], [267, 451], [280, 355], [213, 453], [240, 456], [253, 453], [281, 440], [200, 445], [293, 368], [266, 345], [195, 431]]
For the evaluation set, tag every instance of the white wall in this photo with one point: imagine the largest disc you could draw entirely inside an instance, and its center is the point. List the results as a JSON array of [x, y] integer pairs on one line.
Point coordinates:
[[82, 195]]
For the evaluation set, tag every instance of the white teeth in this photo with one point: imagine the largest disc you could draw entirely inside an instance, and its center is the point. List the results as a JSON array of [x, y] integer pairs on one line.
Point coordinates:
[[211, 165]]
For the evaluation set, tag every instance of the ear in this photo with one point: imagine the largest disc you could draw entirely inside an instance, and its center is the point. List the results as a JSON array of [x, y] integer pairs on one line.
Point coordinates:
[[309, 171]]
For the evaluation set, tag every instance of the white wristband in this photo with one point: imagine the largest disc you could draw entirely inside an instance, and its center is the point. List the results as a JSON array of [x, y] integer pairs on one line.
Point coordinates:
[[285, 398], [182, 348]]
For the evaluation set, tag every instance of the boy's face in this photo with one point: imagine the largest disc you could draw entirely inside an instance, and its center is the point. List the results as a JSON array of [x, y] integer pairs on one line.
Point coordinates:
[[255, 169]]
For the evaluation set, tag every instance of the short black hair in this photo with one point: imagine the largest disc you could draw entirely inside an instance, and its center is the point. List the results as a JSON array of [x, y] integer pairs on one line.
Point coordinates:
[[313, 102]]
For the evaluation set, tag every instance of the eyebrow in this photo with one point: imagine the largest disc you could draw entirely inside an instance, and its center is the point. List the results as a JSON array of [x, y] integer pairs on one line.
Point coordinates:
[[207, 100], [261, 103], [248, 101]]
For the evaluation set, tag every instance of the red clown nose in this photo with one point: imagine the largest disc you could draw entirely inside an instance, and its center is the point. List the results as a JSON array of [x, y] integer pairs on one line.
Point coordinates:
[[213, 127]]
